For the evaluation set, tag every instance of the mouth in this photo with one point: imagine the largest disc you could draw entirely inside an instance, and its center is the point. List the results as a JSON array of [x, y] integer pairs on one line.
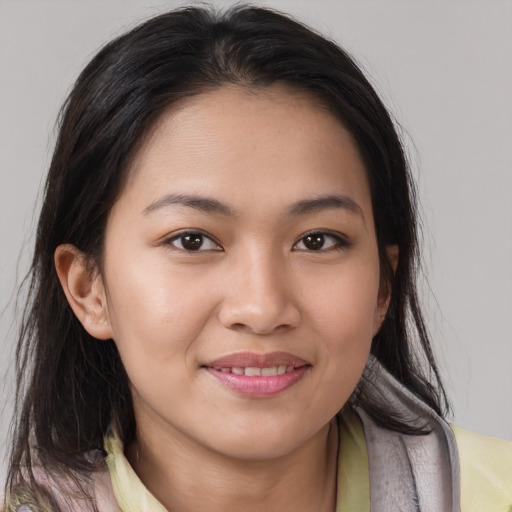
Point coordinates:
[[255, 371], [258, 375]]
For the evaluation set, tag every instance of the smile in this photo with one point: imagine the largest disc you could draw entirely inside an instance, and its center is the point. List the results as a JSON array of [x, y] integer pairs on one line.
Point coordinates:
[[254, 371], [258, 375]]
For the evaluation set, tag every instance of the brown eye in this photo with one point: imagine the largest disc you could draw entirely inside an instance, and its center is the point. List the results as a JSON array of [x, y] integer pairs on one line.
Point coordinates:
[[321, 241], [314, 242], [193, 242]]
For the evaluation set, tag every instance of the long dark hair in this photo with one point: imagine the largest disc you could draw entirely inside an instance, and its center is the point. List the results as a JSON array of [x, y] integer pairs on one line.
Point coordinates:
[[70, 387]]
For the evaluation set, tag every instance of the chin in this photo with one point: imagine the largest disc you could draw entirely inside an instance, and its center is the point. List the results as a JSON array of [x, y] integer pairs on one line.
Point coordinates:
[[260, 443], [257, 449]]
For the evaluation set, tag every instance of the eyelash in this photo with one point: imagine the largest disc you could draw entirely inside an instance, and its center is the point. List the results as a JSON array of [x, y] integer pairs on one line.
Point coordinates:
[[340, 243], [190, 233]]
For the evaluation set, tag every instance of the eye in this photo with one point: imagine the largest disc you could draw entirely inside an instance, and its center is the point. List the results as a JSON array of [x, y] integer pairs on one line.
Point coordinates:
[[193, 241], [321, 241]]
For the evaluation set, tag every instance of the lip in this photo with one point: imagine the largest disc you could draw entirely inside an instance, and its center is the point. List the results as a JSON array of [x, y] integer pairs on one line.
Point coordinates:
[[258, 386], [244, 359]]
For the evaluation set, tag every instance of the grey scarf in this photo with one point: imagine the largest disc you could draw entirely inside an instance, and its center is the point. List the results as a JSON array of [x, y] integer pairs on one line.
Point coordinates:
[[408, 473]]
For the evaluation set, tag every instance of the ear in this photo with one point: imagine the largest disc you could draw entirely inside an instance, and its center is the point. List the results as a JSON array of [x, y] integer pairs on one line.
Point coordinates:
[[385, 294], [84, 290], [392, 252]]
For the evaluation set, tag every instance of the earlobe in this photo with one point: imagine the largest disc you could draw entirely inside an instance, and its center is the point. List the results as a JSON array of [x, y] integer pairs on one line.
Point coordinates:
[[84, 290]]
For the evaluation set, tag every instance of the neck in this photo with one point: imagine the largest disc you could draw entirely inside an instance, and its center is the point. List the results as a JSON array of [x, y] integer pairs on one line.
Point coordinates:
[[188, 478]]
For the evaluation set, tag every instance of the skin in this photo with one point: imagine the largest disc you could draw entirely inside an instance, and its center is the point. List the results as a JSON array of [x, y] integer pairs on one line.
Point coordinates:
[[255, 285]]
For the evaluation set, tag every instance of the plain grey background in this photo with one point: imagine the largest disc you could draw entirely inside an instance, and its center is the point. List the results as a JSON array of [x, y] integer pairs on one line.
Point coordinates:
[[443, 67]]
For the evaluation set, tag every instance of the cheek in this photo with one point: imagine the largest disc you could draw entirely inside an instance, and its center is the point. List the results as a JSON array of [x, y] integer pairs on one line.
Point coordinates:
[[157, 316], [155, 312], [342, 314], [344, 302]]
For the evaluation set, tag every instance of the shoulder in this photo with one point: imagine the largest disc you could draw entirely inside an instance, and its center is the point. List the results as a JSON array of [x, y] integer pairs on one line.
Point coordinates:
[[486, 472]]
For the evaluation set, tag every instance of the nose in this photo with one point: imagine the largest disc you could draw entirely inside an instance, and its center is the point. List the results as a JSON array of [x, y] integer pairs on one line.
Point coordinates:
[[259, 297]]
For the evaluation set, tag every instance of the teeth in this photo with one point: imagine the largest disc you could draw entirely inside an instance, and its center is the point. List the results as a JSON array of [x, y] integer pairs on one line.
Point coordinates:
[[253, 372]]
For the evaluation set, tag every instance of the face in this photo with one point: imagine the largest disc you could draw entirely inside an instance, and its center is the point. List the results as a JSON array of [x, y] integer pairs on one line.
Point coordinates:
[[241, 272]]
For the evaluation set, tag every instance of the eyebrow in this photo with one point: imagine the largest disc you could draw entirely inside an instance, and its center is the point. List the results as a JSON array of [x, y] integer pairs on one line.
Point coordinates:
[[210, 205], [204, 204], [324, 203]]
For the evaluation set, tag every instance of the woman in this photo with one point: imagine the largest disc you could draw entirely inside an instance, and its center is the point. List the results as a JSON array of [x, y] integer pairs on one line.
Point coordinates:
[[224, 308]]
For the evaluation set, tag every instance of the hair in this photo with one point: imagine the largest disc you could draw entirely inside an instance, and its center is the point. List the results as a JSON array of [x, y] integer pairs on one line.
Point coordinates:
[[70, 387]]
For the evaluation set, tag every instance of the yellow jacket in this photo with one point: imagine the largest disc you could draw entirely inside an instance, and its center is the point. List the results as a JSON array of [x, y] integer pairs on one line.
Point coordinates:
[[486, 472]]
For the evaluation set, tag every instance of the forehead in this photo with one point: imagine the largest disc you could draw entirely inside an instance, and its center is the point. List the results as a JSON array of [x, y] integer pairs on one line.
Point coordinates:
[[268, 140]]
